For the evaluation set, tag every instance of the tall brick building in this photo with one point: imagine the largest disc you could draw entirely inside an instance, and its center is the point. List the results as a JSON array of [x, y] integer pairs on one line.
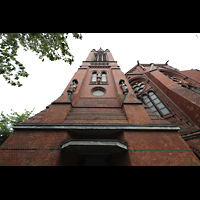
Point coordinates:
[[106, 117], [174, 95]]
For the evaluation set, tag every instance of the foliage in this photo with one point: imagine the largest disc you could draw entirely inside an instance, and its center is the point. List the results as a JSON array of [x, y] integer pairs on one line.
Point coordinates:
[[93, 58], [54, 46], [9, 120]]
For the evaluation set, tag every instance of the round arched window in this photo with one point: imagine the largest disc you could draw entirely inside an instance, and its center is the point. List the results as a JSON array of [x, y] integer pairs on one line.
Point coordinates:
[[98, 91], [138, 87]]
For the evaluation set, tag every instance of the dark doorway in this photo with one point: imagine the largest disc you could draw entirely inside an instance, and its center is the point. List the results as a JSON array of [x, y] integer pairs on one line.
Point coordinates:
[[94, 160]]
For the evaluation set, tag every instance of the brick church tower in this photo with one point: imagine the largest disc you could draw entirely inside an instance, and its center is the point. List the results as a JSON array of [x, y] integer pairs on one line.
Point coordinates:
[[98, 120]]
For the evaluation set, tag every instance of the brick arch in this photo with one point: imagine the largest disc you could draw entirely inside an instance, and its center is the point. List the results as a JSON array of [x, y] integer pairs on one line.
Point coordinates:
[[94, 71], [104, 72], [138, 79], [139, 86]]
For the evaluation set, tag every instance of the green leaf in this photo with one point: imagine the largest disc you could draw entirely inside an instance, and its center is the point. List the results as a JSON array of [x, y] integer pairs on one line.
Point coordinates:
[[44, 44], [9, 120]]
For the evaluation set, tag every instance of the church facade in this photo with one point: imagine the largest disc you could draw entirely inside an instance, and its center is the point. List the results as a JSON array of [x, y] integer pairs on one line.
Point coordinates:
[[148, 116]]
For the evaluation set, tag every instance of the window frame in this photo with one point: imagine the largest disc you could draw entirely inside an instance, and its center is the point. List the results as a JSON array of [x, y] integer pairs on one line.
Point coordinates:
[[138, 85], [100, 56], [104, 57], [155, 104], [152, 104], [98, 89], [94, 77], [104, 81], [105, 76]]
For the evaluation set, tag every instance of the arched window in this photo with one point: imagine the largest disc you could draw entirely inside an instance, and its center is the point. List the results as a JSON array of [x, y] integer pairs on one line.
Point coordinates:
[[100, 57], [150, 104], [104, 57], [155, 104], [104, 78], [138, 87], [94, 77], [159, 104]]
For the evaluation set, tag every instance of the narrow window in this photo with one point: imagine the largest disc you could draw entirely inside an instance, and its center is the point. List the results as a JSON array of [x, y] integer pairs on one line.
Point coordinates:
[[100, 57], [104, 57], [159, 104], [104, 79], [150, 104], [94, 77]]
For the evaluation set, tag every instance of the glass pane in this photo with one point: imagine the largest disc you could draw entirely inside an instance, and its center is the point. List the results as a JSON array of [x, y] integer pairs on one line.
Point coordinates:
[[151, 93], [165, 111], [145, 97], [157, 113], [147, 100], [140, 90], [153, 96], [156, 101], [136, 89], [134, 86], [98, 93], [94, 77], [153, 108], [160, 105], [103, 77], [149, 104], [141, 86]]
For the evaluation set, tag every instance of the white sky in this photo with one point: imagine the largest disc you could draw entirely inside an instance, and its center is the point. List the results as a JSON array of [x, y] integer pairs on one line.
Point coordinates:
[[48, 79]]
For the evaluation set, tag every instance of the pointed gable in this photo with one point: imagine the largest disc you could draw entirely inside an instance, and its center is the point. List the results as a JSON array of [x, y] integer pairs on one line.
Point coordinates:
[[101, 50]]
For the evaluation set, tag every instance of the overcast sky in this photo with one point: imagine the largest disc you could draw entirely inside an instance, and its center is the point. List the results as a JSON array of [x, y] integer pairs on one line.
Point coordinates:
[[48, 79]]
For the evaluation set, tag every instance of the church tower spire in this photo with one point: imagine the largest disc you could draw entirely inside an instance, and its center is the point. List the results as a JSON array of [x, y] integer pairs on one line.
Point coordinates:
[[100, 55]]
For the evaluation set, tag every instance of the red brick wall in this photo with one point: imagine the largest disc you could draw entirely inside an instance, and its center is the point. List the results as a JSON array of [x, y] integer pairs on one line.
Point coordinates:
[[32, 147], [158, 148], [42, 147], [37, 147]]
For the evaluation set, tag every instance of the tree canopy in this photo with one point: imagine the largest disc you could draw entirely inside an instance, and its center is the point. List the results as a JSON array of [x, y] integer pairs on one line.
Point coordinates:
[[54, 46], [9, 120]]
